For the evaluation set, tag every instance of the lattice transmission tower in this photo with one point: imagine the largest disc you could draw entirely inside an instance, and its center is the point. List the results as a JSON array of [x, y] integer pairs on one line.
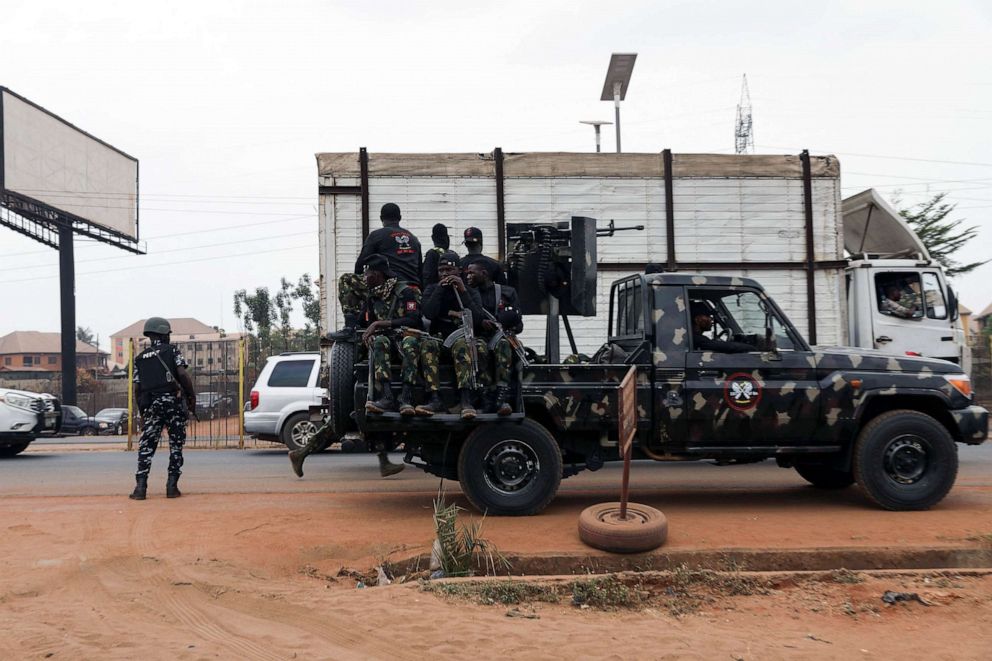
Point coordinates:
[[743, 132]]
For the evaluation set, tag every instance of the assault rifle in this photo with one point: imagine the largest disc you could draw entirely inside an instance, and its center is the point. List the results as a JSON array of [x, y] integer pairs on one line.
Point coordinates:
[[515, 343], [468, 333]]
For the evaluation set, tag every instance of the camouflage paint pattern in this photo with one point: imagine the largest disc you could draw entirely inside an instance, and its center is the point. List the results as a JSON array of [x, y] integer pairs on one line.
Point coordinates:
[[352, 292], [381, 353]]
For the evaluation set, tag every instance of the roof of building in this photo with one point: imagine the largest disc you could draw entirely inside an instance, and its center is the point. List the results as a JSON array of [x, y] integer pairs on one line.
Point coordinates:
[[963, 309], [40, 342], [984, 313], [182, 326]]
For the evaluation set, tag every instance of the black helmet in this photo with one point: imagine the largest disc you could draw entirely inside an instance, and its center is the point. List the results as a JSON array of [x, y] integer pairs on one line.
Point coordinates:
[[157, 326]]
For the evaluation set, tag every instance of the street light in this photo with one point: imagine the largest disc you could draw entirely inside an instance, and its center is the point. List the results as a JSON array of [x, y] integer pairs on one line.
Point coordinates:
[[617, 79], [596, 123]]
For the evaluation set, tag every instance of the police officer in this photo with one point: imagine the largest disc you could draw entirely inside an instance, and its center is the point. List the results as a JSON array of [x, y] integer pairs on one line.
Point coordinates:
[[443, 309], [702, 321], [164, 392], [399, 246], [500, 301], [442, 242], [473, 244]]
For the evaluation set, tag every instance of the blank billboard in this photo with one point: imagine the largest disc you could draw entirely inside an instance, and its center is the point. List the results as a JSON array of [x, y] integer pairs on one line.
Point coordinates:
[[49, 161]]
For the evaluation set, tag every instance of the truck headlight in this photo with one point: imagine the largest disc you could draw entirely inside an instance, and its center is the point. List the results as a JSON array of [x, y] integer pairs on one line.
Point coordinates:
[[961, 383], [103, 425], [18, 401]]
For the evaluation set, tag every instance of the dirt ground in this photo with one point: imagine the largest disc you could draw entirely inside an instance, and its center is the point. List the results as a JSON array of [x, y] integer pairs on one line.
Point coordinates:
[[276, 576]]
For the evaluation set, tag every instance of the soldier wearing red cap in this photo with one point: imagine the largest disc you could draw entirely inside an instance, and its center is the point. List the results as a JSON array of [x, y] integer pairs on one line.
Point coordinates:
[[473, 244]]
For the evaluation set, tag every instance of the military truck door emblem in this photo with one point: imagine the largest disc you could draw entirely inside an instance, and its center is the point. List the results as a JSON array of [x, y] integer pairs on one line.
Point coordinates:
[[741, 392]]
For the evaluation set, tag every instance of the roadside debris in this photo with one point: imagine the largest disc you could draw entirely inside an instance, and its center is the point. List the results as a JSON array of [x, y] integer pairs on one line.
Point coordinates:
[[891, 597]]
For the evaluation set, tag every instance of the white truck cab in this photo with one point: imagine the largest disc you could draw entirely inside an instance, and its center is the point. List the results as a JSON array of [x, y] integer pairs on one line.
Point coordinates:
[[898, 299]]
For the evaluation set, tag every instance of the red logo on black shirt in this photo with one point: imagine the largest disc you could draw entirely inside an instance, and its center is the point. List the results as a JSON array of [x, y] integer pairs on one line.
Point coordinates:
[[411, 306]]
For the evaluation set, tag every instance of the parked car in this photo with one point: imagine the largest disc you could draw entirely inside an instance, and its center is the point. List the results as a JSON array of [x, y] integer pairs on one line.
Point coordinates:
[[76, 421], [116, 420], [210, 405], [23, 417], [279, 406]]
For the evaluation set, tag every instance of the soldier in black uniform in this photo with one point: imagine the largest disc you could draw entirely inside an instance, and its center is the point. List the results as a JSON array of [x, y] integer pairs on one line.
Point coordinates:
[[442, 242], [473, 244], [164, 392], [702, 321], [393, 242], [500, 301]]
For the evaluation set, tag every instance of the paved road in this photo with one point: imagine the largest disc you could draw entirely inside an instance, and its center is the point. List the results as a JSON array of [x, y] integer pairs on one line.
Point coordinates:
[[77, 473]]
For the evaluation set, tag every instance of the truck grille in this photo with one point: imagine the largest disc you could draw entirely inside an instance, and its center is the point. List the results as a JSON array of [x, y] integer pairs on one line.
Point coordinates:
[[42, 405]]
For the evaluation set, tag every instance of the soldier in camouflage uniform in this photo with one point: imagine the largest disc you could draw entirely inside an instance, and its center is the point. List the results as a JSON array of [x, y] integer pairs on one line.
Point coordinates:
[[399, 246], [164, 392], [500, 302], [442, 309]]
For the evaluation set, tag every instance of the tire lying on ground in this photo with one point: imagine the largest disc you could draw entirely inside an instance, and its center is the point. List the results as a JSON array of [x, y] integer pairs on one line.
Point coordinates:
[[509, 469], [905, 460], [825, 477], [644, 529]]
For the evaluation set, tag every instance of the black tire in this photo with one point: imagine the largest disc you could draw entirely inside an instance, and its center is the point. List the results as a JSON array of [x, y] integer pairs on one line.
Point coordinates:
[[88, 431], [11, 450], [905, 460], [825, 477], [297, 430], [644, 529], [341, 390], [510, 469]]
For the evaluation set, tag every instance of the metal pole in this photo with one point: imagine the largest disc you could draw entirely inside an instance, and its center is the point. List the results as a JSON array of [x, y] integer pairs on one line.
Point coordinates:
[[130, 393], [625, 486], [67, 278], [241, 394], [616, 106], [596, 126], [552, 346]]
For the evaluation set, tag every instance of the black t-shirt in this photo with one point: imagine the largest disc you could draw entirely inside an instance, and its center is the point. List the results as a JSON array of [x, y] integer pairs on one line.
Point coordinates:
[[508, 299], [429, 272], [702, 343], [439, 301], [496, 273], [400, 246]]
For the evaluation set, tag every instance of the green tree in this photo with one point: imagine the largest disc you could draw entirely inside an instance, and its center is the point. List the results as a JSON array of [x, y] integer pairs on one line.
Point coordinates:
[[85, 334], [308, 293], [257, 313], [284, 307], [941, 236]]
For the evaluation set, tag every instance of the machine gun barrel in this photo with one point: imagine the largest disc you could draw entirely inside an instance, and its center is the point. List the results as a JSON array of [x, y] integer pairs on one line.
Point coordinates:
[[611, 229]]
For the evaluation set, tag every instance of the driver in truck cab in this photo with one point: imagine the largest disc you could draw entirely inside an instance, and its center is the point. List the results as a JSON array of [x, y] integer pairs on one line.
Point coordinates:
[[702, 322], [900, 303]]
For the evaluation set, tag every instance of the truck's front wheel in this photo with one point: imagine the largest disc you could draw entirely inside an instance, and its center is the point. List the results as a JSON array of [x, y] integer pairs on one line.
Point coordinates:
[[905, 460], [510, 469]]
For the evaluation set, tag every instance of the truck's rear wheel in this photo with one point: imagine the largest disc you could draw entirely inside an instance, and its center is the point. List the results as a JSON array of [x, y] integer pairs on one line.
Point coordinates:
[[825, 477], [905, 460], [510, 469], [11, 450], [341, 387]]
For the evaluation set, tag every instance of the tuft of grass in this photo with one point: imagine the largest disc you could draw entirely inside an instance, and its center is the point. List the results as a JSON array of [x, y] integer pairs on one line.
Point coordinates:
[[491, 593], [985, 538], [464, 550], [846, 576], [606, 593]]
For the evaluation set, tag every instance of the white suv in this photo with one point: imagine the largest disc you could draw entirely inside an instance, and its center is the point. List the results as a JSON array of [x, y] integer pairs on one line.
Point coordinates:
[[23, 416], [279, 406]]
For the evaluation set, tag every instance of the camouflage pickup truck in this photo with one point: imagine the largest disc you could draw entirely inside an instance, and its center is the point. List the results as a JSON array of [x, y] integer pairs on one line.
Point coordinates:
[[838, 416]]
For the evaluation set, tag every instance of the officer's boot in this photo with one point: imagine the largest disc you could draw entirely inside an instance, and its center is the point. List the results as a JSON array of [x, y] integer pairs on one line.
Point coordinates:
[[503, 407], [468, 408], [384, 403], [348, 332], [386, 467], [140, 487], [172, 486], [433, 405], [406, 401]]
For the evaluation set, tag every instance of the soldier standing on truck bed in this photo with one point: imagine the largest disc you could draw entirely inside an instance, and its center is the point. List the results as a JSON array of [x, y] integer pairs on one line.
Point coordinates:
[[500, 301], [473, 244], [399, 246], [442, 243], [164, 392], [442, 309]]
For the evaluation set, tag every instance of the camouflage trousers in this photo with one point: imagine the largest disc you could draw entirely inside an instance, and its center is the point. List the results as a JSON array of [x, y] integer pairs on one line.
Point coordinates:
[[381, 352], [351, 293], [502, 362], [430, 358], [165, 411]]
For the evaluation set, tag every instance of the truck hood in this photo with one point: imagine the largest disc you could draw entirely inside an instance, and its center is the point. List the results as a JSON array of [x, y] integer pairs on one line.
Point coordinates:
[[872, 360]]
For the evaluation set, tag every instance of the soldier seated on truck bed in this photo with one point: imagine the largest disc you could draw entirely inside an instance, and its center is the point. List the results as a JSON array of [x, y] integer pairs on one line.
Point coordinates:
[[500, 306], [702, 321]]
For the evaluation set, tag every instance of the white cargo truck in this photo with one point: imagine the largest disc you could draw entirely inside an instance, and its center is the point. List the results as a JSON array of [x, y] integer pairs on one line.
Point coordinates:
[[829, 264]]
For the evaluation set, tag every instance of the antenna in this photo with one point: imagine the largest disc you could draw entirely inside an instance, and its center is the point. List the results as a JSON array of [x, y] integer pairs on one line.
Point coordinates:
[[743, 132]]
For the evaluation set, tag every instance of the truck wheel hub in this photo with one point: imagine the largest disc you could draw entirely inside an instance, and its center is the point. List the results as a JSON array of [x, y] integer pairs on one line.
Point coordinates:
[[905, 459], [510, 466]]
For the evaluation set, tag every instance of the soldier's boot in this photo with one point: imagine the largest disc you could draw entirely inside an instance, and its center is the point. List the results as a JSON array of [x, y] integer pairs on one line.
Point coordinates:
[[296, 458], [433, 405], [406, 401], [386, 467], [384, 403], [348, 332], [140, 487], [172, 486], [489, 401], [503, 407], [468, 408]]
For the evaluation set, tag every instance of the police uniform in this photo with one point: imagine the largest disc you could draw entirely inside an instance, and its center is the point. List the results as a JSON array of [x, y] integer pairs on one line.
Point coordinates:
[[162, 405]]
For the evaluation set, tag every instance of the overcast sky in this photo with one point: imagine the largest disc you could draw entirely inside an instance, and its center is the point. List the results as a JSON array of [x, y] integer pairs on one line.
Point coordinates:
[[225, 103]]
